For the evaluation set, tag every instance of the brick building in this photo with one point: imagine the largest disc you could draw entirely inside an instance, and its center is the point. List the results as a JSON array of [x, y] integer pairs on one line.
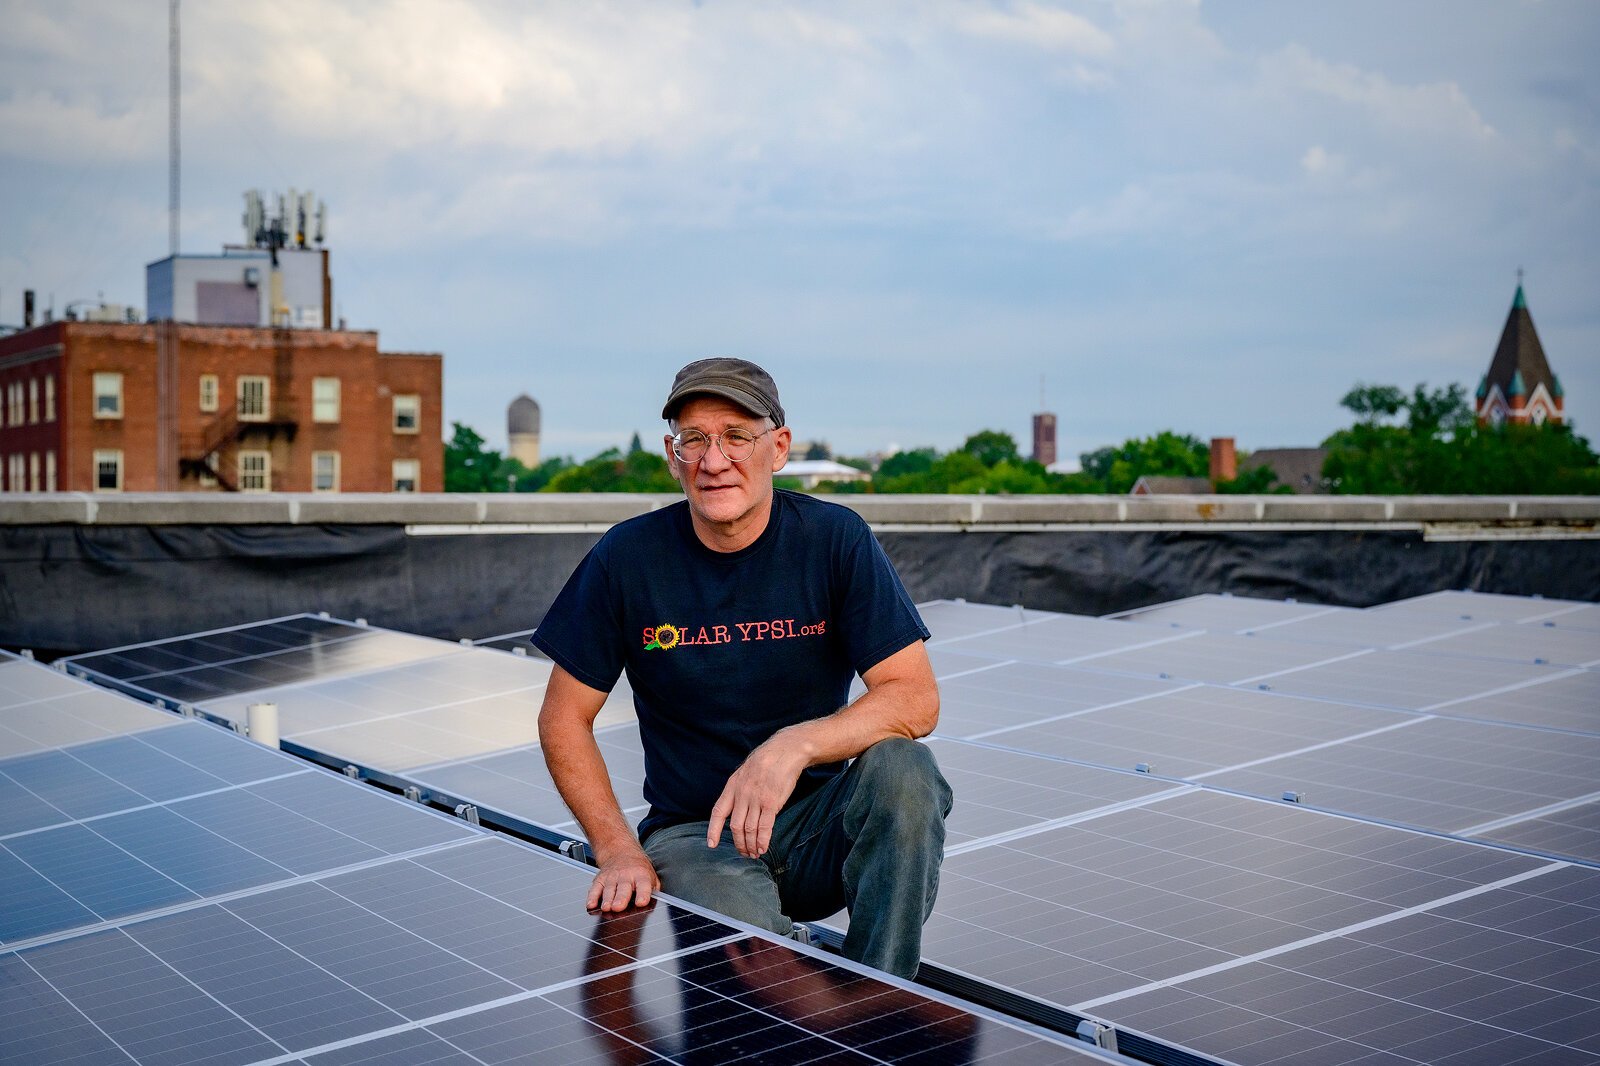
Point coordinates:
[[1044, 438], [165, 407]]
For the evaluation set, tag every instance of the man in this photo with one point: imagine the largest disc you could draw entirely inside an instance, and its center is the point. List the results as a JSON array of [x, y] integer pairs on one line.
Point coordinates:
[[741, 616]]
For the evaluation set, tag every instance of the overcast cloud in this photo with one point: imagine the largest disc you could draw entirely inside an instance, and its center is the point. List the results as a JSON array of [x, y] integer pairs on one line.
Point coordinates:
[[1211, 217]]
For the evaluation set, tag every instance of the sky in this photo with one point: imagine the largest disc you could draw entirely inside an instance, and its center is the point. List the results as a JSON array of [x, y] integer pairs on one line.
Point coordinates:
[[923, 217]]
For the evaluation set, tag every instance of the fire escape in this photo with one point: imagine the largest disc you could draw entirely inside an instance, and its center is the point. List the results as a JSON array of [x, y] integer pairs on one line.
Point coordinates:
[[212, 452]]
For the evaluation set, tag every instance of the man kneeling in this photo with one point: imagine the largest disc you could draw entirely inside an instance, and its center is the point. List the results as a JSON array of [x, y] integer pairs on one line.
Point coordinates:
[[741, 616]]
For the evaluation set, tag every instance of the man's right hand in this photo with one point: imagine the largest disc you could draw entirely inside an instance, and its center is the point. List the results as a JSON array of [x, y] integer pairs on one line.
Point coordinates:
[[626, 880]]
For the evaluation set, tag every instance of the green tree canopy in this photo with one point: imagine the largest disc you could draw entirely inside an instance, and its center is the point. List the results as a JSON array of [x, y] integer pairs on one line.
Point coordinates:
[[612, 471], [1167, 454], [1438, 447], [991, 447], [469, 465]]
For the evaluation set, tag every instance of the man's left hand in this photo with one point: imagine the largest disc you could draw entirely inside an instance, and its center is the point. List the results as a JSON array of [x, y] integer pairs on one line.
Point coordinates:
[[757, 791]]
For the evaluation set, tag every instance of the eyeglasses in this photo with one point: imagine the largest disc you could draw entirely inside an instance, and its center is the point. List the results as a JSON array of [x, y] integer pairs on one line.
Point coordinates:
[[736, 445]]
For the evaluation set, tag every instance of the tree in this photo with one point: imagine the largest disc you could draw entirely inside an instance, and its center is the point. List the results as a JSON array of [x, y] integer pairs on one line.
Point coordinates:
[[611, 471], [635, 445], [818, 449], [990, 447], [1439, 447], [469, 466], [1167, 454], [915, 461]]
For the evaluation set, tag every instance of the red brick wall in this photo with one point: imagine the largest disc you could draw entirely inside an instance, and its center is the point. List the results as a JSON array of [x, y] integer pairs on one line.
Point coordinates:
[[31, 357], [290, 359]]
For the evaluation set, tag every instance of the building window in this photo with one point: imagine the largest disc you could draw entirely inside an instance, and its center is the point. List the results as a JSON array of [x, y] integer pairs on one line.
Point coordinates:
[[50, 399], [108, 395], [255, 471], [208, 392], [33, 473], [324, 471], [33, 399], [14, 405], [407, 472], [255, 397], [49, 469], [407, 413], [324, 399], [108, 471]]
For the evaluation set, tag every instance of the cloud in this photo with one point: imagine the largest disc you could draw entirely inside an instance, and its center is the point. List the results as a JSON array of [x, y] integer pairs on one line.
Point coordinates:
[[1038, 26], [1434, 109]]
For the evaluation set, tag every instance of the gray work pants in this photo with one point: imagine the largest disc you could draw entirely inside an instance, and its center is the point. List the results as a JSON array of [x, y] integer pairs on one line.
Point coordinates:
[[871, 840]]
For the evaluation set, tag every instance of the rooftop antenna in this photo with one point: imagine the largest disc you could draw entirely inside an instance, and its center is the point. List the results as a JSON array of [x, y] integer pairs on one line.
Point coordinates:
[[173, 56]]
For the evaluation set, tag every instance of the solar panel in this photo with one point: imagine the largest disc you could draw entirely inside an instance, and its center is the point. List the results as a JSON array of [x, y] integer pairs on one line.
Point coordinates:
[[517, 782], [1170, 901], [1479, 606], [248, 658], [41, 708], [1224, 658], [1439, 773], [1105, 914], [1562, 700], [1197, 730], [308, 918], [1058, 639], [1370, 628], [1223, 613], [1408, 679], [1539, 644], [994, 695]]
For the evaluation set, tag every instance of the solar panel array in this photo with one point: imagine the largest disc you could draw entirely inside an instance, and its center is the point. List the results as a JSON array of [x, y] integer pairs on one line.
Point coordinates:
[[1122, 846], [176, 894]]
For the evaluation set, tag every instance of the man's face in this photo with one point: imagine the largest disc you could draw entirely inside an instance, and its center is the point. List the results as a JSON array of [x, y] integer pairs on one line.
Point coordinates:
[[726, 495]]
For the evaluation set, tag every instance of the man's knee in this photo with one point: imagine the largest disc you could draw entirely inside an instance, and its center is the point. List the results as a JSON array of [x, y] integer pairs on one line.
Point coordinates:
[[720, 880], [903, 777]]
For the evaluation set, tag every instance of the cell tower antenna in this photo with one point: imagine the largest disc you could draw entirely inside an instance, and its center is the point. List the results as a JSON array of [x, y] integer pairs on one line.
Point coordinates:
[[173, 85]]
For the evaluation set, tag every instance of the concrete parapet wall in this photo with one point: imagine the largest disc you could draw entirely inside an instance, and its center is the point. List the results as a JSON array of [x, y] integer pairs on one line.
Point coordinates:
[[976, 512], [81, 572]]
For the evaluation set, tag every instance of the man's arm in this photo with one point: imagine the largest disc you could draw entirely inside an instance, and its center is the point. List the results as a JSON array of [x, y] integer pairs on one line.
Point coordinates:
[[566, 733], [902, 700]]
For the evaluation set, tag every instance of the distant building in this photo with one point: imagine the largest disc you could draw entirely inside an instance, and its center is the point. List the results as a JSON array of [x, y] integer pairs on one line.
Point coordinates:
[[1519, 386], [1298, 468], [1044, 438], [1161, 485], [235, 288], [812, 472], [166, 407], [522, 431]]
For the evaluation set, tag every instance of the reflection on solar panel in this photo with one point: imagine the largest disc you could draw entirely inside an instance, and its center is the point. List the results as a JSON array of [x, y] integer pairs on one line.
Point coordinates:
[[1121, 847], [175, 894]]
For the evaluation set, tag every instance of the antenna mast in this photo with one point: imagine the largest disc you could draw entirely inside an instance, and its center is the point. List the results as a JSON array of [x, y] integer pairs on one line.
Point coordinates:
[[172, 127]]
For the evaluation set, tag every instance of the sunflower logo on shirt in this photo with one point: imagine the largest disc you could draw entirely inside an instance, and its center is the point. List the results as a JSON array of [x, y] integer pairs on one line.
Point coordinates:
[[666, 638]]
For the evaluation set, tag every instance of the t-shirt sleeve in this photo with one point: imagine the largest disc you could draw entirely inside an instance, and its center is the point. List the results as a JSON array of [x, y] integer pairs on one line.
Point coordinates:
[[581, 631], [877, 617]]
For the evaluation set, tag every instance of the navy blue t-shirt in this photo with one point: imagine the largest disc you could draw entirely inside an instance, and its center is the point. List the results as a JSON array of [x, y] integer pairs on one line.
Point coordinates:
[[723, 649]]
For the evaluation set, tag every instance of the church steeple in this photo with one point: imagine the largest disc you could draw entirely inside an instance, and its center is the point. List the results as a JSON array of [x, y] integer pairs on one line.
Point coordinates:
[[1519, 386]]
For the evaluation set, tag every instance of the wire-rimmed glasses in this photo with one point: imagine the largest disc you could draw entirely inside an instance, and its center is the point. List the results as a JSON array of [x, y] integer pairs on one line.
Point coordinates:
[[736, 445]]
